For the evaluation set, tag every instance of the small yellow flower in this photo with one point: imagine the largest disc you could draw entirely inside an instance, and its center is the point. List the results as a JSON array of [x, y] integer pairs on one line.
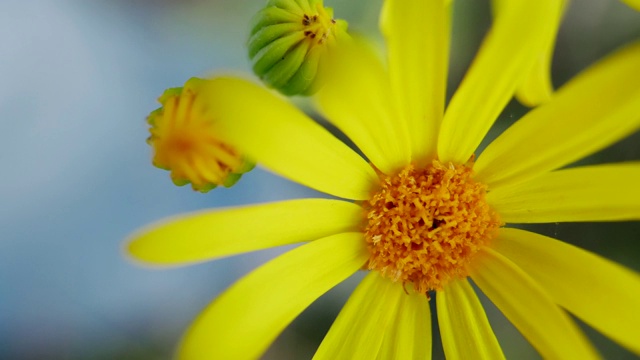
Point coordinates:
[[185, 143], [424, 216]]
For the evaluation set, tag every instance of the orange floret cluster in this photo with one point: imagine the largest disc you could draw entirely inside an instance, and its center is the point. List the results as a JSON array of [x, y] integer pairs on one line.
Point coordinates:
[[425, 225]]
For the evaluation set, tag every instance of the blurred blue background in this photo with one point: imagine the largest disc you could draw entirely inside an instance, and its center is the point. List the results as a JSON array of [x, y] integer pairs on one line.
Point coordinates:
[[78, 79]]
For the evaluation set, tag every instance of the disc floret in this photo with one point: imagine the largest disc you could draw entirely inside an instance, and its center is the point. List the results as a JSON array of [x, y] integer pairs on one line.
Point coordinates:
[[424, 225]]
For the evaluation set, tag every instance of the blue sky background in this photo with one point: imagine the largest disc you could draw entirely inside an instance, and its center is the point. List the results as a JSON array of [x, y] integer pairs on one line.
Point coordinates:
[[78, 78]]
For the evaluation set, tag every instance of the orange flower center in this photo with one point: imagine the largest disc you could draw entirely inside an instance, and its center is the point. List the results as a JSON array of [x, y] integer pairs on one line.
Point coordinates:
[[425, 225]]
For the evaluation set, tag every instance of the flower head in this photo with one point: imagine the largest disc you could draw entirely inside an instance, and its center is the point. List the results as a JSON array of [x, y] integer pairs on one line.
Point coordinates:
[[184, 141], [424, 226], [424, 216]]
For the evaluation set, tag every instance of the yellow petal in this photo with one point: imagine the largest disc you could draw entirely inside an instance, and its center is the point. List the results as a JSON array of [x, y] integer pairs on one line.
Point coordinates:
[[464, 328], [217, 233], [409, 336], [633, 3], [244, 320], [277, 135], [590, 193], [602, 293], [356, 97], [547, 327], [595, 109], [417, 35], [537, 88], [360, 327], [506, 56]]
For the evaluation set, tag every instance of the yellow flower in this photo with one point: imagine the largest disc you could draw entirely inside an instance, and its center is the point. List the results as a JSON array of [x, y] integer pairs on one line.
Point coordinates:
[[426, 216]]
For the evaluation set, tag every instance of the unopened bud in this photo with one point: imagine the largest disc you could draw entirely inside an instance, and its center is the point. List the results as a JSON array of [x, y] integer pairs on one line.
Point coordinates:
[[289, 40]]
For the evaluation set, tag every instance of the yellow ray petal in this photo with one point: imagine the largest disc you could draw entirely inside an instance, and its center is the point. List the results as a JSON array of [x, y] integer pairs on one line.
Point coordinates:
[[417, 35], [537, 88], [633, 3], [244, 320], [217, 233], [360, 327], [409, 337], [282, 138], [356, 97], [464, 328], [506, 56], [602, 293], [590, 193], [592, 111], [547, 327]]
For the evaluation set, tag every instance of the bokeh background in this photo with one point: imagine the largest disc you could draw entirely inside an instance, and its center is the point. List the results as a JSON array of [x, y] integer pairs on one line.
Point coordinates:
[[78, 79]]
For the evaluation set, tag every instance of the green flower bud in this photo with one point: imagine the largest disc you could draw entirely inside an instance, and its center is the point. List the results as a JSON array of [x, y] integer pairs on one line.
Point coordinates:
[[289, 40]]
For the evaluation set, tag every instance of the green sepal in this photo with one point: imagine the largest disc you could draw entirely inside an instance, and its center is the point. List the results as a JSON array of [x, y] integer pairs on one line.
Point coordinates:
[[194, 83], [235, 176], [170, 92], [272, 16], [303, 80], [231, 180], [178, 182], [269, 34], [206, 188], [266, 58], [246, 166], [289, 5], [284, 70], [151, 118]]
